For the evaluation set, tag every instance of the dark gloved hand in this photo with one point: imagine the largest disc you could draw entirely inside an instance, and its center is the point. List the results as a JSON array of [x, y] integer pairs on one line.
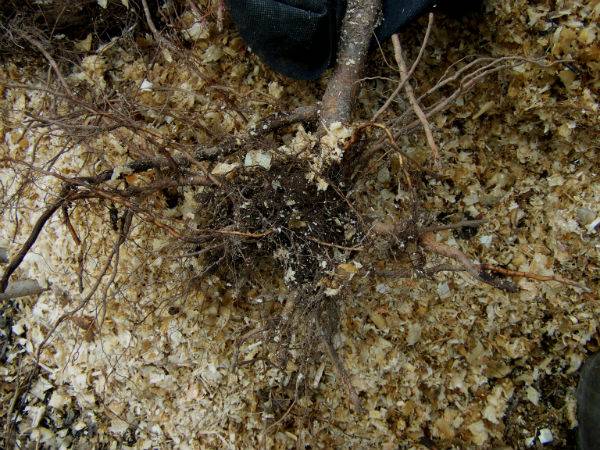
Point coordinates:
[[299, 37]]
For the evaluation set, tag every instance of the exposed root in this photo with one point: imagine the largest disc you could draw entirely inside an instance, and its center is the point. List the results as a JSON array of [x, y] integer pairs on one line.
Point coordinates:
[[453, 226], [24, 382], [468, 77], [150, 21], [22, 288], [251, 221], [404, 79], [113, 258], [478, 271], [70, 193], [357, 29], [277, 217], [404, 75], [3, 255], [430, 243], [15, 262], [341, 372], [533, 276], [35, 43], [69, 225]]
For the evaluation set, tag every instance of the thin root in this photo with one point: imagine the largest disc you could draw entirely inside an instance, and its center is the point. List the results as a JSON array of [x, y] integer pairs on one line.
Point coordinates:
[[412, 99]]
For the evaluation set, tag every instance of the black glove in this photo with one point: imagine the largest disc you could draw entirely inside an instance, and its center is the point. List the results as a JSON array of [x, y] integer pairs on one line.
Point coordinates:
[[299, 37]]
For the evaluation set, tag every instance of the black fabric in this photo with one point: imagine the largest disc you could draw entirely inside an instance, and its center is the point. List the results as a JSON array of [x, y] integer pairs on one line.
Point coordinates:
[[295, 37], [299, 37], [588, 405], [398, 13]]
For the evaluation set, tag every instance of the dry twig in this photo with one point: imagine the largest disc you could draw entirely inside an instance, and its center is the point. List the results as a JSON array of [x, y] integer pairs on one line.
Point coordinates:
[[150, 22], [65, 197], [69, 314], [23, 385], [430, 243], [69, 225], [478, 271], [50, 60], [453, 226], [533, 276], [341, 371], [403, 80], [466, 83], [124, 232], [413, 101]]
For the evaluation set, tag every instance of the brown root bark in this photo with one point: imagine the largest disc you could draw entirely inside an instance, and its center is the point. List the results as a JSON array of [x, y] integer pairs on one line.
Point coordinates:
[[357, 30], [21, 288]]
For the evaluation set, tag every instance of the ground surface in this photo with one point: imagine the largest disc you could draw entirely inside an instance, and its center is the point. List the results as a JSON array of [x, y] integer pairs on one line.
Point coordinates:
[[440, 363]]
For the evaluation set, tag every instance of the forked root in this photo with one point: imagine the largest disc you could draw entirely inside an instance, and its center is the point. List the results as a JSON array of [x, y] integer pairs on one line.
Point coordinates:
[[341, 372], [479, 271]]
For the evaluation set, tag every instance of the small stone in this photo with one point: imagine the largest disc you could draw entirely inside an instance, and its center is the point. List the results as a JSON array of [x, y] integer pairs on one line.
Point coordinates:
[[545, 436], [258, 158], [486, 240], [382, 288], [224, 168], [556, 180], [585, 216], [378, 320], [532, 395], [592, 226], [479, 432], [146, 86], [383, 176], [414, 334], [443, 290], [39, 388]]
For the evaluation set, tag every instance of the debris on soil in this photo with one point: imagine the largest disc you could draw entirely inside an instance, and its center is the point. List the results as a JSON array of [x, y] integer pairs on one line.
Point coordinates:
[[199, 344]]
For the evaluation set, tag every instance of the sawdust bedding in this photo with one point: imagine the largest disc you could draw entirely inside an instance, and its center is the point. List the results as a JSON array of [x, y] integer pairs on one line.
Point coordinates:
[[439, 363]]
